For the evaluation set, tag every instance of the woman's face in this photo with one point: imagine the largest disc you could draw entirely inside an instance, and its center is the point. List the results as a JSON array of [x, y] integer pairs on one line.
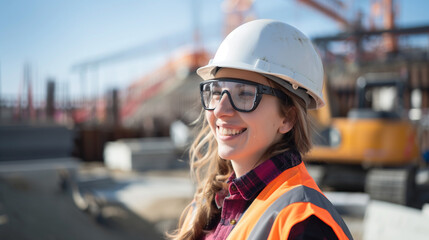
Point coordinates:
[[245, 137]]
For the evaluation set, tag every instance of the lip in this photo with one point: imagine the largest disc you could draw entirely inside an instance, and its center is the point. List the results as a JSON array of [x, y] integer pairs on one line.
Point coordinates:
[[230, 129]]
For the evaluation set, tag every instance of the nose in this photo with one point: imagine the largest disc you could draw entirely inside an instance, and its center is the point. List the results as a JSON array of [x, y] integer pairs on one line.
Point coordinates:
[[224, 107]]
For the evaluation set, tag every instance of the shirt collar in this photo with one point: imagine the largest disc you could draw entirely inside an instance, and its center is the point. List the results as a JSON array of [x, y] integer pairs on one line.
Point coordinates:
[[250, 184]]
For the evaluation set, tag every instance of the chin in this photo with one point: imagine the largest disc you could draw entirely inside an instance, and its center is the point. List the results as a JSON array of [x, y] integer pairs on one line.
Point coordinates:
[[231, 154], [226, 153]]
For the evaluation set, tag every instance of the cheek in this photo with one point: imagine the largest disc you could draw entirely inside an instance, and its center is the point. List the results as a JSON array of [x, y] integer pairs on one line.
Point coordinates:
[[264, 129]]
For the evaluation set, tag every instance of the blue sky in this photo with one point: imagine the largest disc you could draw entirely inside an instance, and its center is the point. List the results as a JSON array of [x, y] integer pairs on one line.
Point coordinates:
[[52, 35]]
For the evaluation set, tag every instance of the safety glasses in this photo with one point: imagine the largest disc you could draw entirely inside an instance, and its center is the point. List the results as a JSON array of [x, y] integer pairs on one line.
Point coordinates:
[[244, 96]]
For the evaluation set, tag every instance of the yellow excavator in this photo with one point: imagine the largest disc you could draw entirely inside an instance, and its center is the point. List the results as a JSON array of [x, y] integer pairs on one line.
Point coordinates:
[[372, 150]]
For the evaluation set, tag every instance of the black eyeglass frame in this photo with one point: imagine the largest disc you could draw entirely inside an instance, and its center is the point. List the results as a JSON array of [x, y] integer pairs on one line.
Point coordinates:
[[260, 90]]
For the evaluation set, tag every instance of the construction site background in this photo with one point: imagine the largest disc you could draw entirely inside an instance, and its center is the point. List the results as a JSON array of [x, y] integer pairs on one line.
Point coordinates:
[[59, 152]]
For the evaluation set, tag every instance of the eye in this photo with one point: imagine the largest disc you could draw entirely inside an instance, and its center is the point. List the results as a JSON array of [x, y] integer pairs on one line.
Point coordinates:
[[216, 90], [244, 93]]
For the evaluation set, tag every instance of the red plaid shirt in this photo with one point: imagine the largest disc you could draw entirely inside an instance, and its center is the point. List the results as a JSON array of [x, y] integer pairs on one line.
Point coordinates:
[[243, 190]]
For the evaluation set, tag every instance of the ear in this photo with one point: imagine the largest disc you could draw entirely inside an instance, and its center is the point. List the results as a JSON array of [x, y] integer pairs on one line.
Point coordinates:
[[288, 122]]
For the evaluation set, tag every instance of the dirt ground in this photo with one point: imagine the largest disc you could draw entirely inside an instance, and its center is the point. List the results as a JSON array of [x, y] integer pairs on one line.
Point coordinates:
[[33, 206]]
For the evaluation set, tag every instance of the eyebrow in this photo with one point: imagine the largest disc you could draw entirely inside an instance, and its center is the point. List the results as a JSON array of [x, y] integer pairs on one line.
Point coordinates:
[[215, 84], [240, 85]]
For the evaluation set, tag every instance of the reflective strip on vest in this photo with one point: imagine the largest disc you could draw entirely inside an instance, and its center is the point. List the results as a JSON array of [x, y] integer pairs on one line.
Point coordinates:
[[298, 194]]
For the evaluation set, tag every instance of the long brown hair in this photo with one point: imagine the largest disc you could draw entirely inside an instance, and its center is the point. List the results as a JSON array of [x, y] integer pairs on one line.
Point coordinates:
[[210, 172]]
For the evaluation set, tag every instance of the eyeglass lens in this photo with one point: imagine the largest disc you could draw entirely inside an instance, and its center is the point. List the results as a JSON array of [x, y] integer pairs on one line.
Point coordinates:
[[241, 95]]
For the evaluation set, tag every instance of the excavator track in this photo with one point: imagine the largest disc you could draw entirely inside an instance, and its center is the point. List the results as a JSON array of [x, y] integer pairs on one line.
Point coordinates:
[[392, 185]]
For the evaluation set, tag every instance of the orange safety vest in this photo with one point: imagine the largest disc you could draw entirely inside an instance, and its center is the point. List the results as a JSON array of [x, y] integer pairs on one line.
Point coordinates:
[[290, 198]]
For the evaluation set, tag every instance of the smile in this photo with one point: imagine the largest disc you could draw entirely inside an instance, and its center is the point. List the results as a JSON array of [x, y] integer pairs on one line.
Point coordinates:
[[230, 131]]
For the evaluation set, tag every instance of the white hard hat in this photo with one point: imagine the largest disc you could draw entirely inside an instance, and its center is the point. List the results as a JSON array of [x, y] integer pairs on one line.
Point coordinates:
[[278, 51]]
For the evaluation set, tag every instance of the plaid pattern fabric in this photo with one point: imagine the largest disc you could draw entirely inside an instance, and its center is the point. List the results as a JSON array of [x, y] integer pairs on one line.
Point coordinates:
[[243, 190]]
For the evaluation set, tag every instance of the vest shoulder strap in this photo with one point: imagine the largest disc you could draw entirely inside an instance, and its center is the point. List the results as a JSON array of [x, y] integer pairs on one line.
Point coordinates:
[[299, 194]]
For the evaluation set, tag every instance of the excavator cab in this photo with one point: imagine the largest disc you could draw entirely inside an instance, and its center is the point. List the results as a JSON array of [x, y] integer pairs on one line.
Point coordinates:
[[379, 97]]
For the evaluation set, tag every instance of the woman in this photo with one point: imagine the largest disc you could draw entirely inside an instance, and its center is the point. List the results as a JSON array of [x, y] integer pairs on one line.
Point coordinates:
[[246, 159]]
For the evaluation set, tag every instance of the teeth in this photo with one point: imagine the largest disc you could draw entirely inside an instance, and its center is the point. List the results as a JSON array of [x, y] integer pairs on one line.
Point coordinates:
[[229, 131]]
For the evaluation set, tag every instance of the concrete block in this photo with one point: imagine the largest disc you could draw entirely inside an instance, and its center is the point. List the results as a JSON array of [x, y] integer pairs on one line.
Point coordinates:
[[350, 204], [425, 209], [391, 221], [140, 154]]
